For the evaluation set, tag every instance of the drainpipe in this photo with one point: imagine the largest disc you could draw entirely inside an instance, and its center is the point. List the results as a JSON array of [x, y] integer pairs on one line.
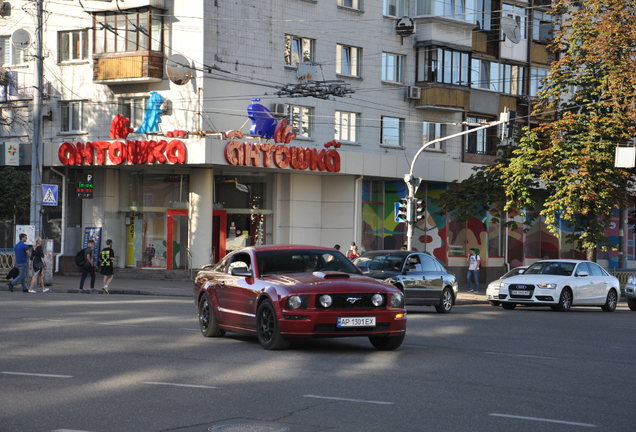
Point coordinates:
[[358, 203], [63, 239]]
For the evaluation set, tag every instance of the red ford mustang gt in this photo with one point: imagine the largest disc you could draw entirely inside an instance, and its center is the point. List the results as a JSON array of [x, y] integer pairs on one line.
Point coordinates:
[[284, 292]]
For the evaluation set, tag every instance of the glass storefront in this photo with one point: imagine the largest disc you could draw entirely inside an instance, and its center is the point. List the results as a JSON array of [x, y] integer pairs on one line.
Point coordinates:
[[145, 201]]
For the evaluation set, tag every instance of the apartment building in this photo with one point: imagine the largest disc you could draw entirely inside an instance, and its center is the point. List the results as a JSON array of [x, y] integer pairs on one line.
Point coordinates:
[[393, 75]]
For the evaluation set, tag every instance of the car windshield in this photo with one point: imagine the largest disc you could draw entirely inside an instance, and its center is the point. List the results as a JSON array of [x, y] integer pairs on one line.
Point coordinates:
[[551, 268], [302, 261], [389, 262]]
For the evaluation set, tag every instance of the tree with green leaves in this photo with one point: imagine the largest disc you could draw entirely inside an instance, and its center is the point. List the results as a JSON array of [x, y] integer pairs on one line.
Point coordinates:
[[15, 195], [564, 167]]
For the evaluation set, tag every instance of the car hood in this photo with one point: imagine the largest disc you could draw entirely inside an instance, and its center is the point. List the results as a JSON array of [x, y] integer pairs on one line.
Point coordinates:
[[330, 282], [534, 279], [382, 274]]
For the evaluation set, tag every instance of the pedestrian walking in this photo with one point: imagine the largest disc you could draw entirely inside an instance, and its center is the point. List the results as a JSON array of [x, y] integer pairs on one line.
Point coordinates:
[[39, 262], [22, 254], [89, 268], [106, 258], [474, 262]]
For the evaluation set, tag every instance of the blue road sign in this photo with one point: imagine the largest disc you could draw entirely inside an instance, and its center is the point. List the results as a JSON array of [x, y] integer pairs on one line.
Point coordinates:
[[49, 195]]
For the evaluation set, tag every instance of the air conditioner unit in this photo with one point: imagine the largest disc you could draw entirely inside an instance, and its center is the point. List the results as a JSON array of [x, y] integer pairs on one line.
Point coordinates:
[[414, 93], [279, 110]]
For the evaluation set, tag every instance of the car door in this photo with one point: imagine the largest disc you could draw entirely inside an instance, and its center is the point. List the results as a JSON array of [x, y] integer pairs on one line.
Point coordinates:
[[432, 276], [582, 285], [236, 296], [598, 292], [414, 283]]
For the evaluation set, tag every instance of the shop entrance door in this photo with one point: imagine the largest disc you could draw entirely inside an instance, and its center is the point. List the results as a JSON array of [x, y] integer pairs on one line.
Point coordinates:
[[219, 221], [177, 247]]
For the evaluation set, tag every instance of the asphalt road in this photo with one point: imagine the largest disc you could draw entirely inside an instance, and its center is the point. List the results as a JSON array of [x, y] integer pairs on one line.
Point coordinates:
[[136, 363]]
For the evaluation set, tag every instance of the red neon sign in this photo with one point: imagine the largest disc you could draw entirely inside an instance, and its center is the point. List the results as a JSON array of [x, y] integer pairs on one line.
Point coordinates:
[[298, 158], [134, 152]]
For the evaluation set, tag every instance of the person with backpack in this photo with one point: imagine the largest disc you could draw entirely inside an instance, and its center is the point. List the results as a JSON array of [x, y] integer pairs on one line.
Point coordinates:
[[37, 257], [106, 258], [88, 266]]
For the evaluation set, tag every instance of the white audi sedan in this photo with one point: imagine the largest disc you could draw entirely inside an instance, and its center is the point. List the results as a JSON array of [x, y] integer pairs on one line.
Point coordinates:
[[560, 284], [492, 291]]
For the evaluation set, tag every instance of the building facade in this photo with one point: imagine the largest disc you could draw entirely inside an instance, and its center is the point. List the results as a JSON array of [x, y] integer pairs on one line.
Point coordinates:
[[189, 192]]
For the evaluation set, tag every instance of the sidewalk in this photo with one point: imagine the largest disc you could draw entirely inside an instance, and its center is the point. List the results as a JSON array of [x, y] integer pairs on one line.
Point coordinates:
[[170, 288]]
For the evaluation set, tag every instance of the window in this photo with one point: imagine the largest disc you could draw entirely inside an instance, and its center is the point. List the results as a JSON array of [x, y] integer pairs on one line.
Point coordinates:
[[300, 117], [72, 116], [542, 26], [73, 45], [346, 126], [536, 75], [139, 29], [10, 55], [298, 50], [443, 65], [433, 131], [392, 131], [353, 4], [393, 8], [518, 14], [483, 141], [392, 66], [348, 60], [133, 109], [448, 8], [483, 14]]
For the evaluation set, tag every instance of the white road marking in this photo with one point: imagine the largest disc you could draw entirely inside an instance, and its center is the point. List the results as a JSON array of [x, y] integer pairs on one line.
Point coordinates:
[[117, 324], [543, 420], [522, 355], [68, 430], [349, 400], [38, 375], [179, 385]]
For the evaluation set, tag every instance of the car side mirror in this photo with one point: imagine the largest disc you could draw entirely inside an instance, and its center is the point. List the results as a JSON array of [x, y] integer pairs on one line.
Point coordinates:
[[241, 272], [582, 273], [363, 269]]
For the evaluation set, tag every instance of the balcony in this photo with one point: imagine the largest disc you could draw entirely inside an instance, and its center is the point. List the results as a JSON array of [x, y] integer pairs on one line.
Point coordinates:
[[128, 68], [435, 96]]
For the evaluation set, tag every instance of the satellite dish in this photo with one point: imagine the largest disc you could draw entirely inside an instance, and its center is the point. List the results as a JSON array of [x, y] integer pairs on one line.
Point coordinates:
[[21, 39], [179, 69], [511, 29], [405, 27]]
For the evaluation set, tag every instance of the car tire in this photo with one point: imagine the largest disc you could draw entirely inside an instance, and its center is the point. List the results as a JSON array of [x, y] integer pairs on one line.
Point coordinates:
[[508, 306], [267, 328], [387, 343], [207, 321], [632, 304], [494, 303], [565, 301], [445, 302], [610, 303]]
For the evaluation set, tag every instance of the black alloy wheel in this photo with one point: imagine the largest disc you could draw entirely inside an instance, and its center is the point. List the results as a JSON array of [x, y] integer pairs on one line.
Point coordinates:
[[207, 320], [267, 328], [632, 304]]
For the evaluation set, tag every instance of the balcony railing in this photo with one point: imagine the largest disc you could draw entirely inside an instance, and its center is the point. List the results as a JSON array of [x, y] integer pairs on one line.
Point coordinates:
[[122, 68]]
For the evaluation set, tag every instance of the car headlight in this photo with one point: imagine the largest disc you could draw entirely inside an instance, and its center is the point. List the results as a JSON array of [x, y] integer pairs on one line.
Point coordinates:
[[493, 286], [377, 300], [504, 285], [325, 300], [397, 300], [547, 286], [294, 302]]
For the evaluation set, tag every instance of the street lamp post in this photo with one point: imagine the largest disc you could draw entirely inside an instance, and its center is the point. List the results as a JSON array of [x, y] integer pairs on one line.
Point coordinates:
[[37, 150], [413, 183]]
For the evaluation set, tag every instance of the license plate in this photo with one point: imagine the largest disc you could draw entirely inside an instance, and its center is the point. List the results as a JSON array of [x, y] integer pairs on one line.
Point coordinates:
[[356, 322], [519, 292]]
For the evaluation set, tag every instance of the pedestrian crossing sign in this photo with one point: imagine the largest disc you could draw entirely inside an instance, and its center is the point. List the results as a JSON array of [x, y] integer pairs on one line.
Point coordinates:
[[49, 195]]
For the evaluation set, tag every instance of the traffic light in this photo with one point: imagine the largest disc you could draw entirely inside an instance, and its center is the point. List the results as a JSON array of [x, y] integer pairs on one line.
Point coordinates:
[[418, 210], [403, 210]]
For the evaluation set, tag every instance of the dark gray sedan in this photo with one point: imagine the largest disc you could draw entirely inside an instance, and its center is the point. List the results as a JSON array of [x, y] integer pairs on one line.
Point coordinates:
[[422, 279]]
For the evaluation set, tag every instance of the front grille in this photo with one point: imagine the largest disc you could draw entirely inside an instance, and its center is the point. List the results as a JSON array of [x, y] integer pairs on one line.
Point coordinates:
[[332, 328], [346, 301], [521, 287]]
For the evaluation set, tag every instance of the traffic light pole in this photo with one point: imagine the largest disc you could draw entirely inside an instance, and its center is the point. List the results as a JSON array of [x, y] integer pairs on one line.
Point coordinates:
[[36, 146], [413, 183]]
